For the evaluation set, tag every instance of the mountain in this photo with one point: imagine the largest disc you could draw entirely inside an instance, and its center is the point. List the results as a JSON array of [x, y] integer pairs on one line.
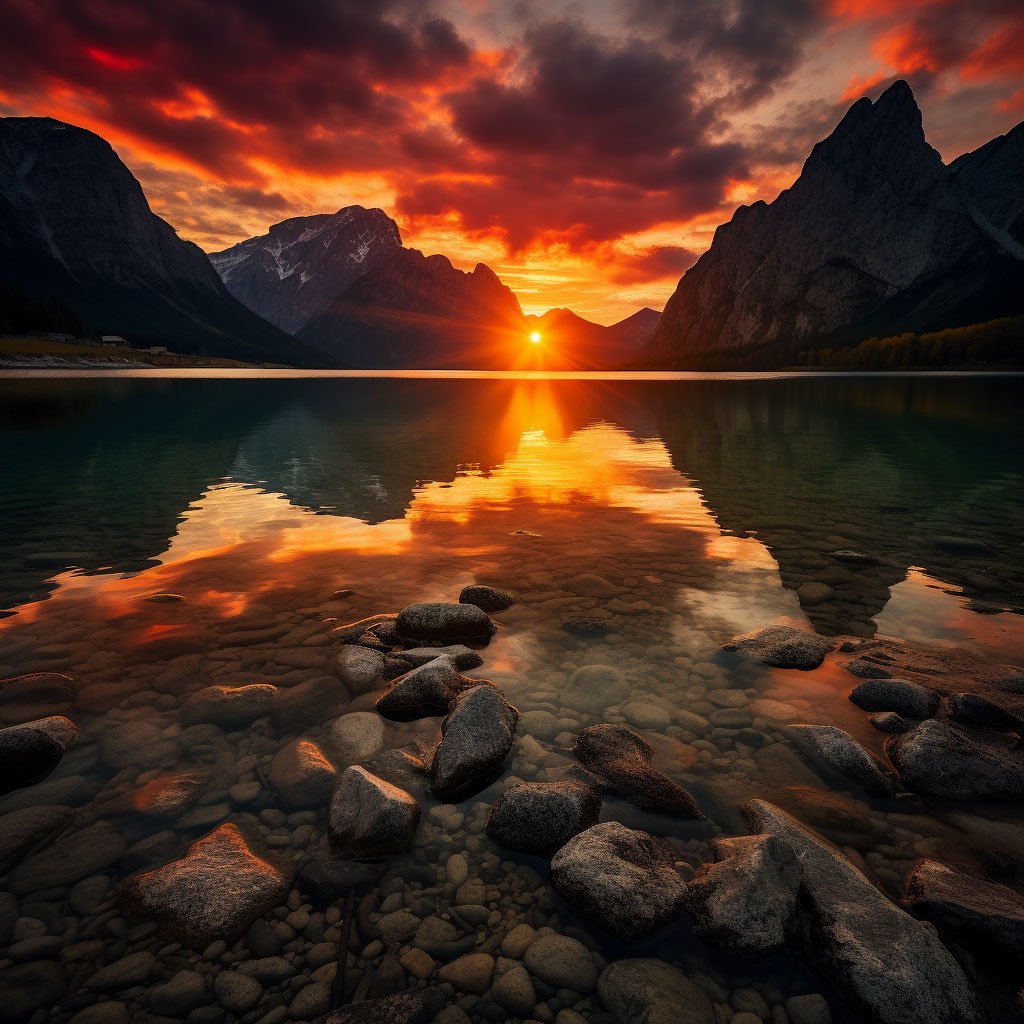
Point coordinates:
[[81, 249], [876, 237], [291, 274], [571, 340]]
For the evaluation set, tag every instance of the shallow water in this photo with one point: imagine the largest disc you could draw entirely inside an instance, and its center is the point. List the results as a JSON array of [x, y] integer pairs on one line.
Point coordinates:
[[678, 511]]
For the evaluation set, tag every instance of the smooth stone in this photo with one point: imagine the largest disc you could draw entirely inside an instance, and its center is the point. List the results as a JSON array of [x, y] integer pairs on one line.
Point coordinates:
[[839, 751], [539, 817], [889, 722], [470, 973], [783, 647], [133, 969], [302, 776], [31, 750], [594, 688], [70, 859], [651, 992], [419, 1007], [27, 988], [137, 744], [311, 1002], [428, 690], [487, 599], [22, 830], [518, 941], [461, 656], [911, 700], [808, 1009], [267, 970], [587, 626], [214, 891], [562, 962], [434, 935], [440, 621], [369, 817], [178, 996], [514, 992], [325, 882], [230, 707], [974, 710], [235, 992], [813, 594], [625, 880], [315, 700], [356, 737], [647, 716], [360, 669], [110, 1012], [35, 695], [864, 669]]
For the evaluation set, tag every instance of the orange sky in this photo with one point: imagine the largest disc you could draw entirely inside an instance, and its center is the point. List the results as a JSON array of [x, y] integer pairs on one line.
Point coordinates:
[[586, 152]]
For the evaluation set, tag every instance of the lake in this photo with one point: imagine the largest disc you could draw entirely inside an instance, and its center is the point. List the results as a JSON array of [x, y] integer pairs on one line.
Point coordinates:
[[641, 523]]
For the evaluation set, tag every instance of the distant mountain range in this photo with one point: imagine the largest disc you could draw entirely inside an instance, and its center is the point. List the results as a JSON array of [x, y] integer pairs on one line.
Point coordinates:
[[594, 346], [80, 250], [876, 237]]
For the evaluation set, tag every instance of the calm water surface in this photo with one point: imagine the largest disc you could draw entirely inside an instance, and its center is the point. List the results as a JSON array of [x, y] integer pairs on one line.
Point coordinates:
[[679, 511]]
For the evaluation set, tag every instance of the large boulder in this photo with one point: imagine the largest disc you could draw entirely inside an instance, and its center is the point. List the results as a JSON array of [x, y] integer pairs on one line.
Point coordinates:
[[595, 688], [974, 710], [440, 621], [782, 647], [946, 760], [369, 817], [215, 890], [30, 751], [624, 880], [488, 599], [968, 908], [746, 901], [889, 964], [843, 754], [426, 690], [360, 669], [912, 700], [302, 776], [539, 817], [651, 992], [623, 760], [230, 707]]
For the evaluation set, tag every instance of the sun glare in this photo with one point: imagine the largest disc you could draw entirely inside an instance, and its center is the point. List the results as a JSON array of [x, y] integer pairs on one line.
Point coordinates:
[[535, 337]]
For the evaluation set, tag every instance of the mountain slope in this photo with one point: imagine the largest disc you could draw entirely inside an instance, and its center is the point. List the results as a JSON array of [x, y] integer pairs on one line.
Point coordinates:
[[77, 237], [875, 236], [568, 339]]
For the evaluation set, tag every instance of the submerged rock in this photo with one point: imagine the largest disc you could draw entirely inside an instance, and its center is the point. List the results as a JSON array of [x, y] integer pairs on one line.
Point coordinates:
[[488, 599], [652, 992], [314, 700], [439, 621], [595, 688], [230, 707], [371, 818], [943, 759], [325, 882], [587, 626], [29, 827], [360, 669], [908, 699], [169, 795], [30, 751], [461, 656], [622, 879], [843, 754], [972, 709], [746, 902], [624, 761], [71, 858], [783, 647], [539, 817], [968, 908], [476, 737], [215, 890], [891, 965], [36, 695], [302, 776], [427, 690]]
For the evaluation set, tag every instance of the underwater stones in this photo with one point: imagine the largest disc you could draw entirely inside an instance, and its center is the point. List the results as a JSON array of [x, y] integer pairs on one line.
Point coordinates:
[[137, 744], [356, 737], [594, 688], [35, 694], [302, 776], [624, 762], [360, 669], [746, 901], [30, 751], [782, 647], [943, 759], [476, 737], [587, 626], [215, 890], [488, 599], [461, 656], [314, 700], [230, 707], [74, 856], [562, 962], [514, 992], [843, 754], [622, 879], [325, 882], [28, 827], [813, 594], [651, 992], [440, 621], [168, 796], [27, 988], [539, 817], [369, 817], [864, 669], [890, 964], [905, 698], [427, 690], [967, 907]]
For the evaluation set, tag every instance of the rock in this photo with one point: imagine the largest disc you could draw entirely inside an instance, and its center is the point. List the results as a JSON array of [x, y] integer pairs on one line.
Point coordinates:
[[418, 963], [890, 722], [808, 1009], [518, 941], [968, 908], [356, 737], [587, 626], [594, 688], [73, 857], [103, 1013], [214, 891], [169, 795], [325, 882], [864, 669], [268, 970], [813, 594], [908, 699], [315, 700], [476, 737], [889, 964], [438, 621], [418, 1007], [562, 962], [459, 655], [360, 669], [133, 969], [783, 647], [947, 760], [27, 988], [230, 707], [302, 776], [138, 744], [746, 902], [488, 599], [235, 992], [644, 715], [435, 935], [651, 992], [620, 878], [35, 695], [470, 973], [427, 690], [843, 754], [624, 761], [28, 827], [539, 817], [962, 545], [369, 817], [311, 1001], [30, 751], [972, 709], [514, 992]]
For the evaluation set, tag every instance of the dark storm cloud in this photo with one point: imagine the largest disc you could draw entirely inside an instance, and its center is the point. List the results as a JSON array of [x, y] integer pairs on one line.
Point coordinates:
[[660, 262]]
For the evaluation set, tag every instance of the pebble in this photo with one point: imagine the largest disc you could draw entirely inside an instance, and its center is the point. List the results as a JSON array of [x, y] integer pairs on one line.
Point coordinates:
[[470, 973], [236, 992], [562, 962]]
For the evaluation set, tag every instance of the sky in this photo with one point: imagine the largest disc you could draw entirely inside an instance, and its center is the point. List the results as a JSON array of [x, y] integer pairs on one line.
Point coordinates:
[[585, 151]]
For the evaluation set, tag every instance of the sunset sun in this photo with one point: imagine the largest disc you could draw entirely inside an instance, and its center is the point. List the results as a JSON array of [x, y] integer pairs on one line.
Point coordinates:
[[535, 337]]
